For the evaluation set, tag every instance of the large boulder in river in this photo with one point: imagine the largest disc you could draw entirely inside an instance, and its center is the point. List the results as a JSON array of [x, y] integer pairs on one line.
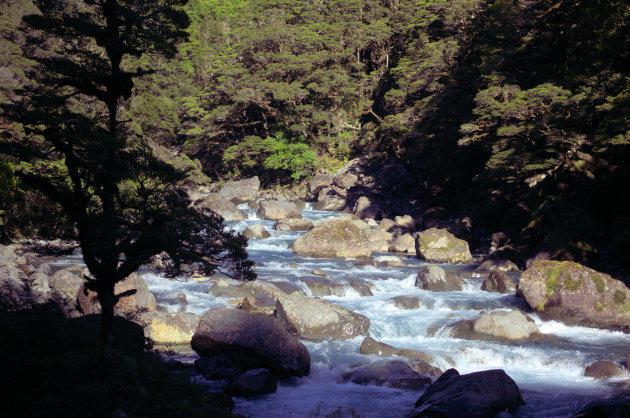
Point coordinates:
[[368, 207], [371, 346], [276, 210], [221, 206], [241, 191], [330, 203], [316, 319], [498, 326], [440, 246], [498, 282], [170, 328], [574, 294], [251, 341], [318, 182], [403, 244], [480, 394], [435, 279], [140, 299], [341, 236]]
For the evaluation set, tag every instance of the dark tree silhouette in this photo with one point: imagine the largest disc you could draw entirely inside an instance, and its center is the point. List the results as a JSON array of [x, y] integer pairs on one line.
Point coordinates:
[[121, 198]]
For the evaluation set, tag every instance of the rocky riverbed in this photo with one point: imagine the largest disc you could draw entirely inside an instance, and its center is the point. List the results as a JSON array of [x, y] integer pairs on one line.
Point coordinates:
[[356, 316]]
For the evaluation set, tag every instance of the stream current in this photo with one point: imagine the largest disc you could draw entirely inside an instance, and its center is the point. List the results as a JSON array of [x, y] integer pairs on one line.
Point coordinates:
[[550, 374]]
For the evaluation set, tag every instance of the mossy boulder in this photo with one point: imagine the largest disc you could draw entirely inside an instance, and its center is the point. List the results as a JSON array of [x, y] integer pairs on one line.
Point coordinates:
[[574, 294], [440, 246]]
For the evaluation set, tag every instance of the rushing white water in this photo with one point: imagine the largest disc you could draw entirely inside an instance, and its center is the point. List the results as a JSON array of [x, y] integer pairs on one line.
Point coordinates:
[[550, 373]]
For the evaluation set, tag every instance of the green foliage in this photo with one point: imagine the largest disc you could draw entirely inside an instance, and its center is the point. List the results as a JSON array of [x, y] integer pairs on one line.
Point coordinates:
[[296, 158]]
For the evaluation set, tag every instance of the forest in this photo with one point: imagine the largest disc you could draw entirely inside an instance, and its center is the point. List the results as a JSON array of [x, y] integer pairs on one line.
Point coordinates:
[[513, 114]]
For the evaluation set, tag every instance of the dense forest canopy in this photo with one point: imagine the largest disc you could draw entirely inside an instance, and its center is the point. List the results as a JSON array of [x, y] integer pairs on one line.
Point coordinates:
[[511, 113]]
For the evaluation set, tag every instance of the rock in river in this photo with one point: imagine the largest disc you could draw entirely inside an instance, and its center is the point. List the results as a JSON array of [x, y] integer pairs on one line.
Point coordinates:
[[341, 236], [440, 246], [480, 394], [434, 278], [574, 294], [252, 341]]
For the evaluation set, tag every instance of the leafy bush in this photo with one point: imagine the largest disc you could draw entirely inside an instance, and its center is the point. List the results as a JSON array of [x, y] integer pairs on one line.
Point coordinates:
[[296, 158]]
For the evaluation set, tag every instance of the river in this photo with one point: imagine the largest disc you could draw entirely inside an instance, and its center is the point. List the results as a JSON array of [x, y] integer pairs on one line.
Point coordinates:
[[550, 374]]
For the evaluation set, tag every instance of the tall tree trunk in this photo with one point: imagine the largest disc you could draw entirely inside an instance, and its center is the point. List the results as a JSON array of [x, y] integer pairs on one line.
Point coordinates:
[[106, 297]]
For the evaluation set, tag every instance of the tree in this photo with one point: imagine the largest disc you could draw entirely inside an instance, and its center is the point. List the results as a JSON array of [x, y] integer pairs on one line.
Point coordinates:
[[123, 201]]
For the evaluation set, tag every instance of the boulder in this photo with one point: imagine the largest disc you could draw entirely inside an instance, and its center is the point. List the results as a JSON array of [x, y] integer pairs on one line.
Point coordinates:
[[406, 302], [419, 355], [317, 319], [371, 346], [319, 272], [345, 180], [318, 182], [498, 282], [293, 224], [320, 286], [390, 261], [497, 265], [403, 244], [435, 279], [260, 304], [252, 341], [276, 210], [253, 383], [406, 222], [574, 294], [498, 326], [256, 231], [241, 191], [421, 366], [393, 374], [440, 246], [341, 236], [378, 240], [360, 287], [168, 328], [330, 204], [387, 225], [480, 394], [366, 207], [223, 207], [142, 299], [67, 284], [613, 407], [603, 369]]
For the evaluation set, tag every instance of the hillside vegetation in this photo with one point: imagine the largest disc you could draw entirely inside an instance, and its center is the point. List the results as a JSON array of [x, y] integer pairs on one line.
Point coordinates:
[[513, 114]]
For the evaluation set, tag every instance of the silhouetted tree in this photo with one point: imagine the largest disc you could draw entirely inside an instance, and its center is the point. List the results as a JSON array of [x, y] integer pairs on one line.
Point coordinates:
[[121, 198]]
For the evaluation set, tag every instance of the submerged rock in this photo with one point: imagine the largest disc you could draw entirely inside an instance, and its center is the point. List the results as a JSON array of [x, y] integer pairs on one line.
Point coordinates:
[[393, 374], [252, 341], [253, 383], [440, 246], [603, 369], [434, 278], [574, 294], [480, 394], [406, 302]]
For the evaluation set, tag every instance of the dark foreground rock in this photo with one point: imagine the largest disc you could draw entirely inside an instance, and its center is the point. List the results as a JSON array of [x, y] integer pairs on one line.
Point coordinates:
[[574, 294], [480, 394], [253, 383], [609, 408], [252, 341]]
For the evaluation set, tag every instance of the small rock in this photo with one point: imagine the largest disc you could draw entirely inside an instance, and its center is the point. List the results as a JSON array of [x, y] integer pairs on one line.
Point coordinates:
[[403, 244], [361, 288], [276, 210], [497, 265], [393, 374], [371, 346], [319, 272], [603, 369], [406, 302], [406, 222], [256, 231], [434, 278], [391, 261]]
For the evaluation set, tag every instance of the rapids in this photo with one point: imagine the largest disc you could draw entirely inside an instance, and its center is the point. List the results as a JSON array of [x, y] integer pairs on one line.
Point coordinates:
[[549, 373]]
